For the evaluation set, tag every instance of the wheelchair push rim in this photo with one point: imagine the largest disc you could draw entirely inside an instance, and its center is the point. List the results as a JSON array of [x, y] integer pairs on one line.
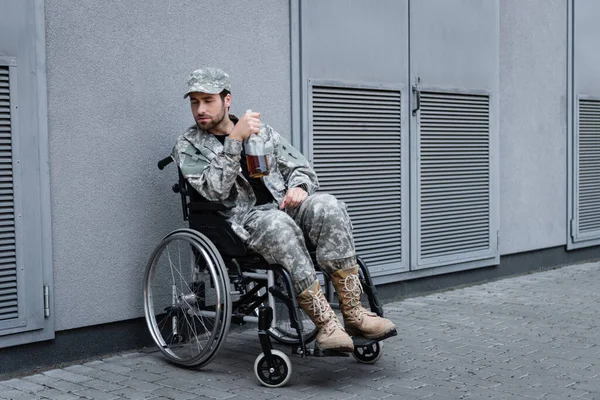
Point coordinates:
[[187, 302]]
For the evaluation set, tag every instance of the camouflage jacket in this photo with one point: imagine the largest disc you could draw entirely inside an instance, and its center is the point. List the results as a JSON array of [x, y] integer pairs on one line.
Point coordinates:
[[214, 170]]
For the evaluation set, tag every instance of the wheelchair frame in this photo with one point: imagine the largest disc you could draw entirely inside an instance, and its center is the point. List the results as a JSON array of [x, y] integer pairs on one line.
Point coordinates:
[[215, 252]]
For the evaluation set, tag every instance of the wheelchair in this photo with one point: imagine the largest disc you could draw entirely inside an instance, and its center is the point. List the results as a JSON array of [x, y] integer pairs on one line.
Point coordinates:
[[199, 280]]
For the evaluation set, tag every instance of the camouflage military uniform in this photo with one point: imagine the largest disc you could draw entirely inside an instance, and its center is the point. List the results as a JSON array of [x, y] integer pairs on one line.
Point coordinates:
[[280, 237], [213, 168]]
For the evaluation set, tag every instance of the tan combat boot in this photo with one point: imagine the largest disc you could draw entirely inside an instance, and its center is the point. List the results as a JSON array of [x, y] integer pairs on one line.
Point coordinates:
[[357, 319], [331, 334]]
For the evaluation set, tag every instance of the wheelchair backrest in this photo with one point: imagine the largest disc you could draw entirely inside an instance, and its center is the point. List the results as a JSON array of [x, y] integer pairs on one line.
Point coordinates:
[[204, 217]]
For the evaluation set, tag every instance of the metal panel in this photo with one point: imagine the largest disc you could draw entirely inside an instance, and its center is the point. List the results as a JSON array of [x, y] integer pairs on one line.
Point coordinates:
[[8, 261], [12, 291], [356, 151], [454, 132], [357, 62], [454, 210], [584, 127], [25, 243], [587, 170]]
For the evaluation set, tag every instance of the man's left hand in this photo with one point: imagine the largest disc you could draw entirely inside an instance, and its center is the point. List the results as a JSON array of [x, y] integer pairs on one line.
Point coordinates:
[[293, 198]]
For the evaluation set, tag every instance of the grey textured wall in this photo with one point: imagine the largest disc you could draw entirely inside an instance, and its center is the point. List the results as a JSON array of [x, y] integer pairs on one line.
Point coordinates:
[[533, 128], [116, 74]]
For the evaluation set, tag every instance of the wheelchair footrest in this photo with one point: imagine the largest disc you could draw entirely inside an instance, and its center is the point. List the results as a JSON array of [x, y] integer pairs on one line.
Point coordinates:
[[360, 341], [319, 353]]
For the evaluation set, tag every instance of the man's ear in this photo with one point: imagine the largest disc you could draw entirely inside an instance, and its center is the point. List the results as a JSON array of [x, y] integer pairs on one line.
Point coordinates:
[[228, 100]]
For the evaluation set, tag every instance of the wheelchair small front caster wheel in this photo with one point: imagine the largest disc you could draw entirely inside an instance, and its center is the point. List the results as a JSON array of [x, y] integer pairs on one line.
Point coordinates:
[[276, 375], [368, 354]]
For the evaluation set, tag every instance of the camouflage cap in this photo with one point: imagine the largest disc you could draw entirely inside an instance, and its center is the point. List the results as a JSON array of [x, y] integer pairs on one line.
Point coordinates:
[[208, 80]]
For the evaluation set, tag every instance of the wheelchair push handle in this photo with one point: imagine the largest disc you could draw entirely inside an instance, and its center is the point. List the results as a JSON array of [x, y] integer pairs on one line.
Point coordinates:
[[164, 162]]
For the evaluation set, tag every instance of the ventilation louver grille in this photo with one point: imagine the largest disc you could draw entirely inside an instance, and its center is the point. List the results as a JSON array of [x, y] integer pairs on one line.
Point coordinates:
[[589, 166], [356, 139], [454, 174], [8, 269]]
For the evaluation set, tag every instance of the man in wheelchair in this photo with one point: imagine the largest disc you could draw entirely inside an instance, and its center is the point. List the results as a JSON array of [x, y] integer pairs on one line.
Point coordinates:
[[279, 214]]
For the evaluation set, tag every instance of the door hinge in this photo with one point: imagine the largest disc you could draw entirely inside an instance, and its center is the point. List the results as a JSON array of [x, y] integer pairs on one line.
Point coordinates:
[[46, 301], [498, 240]]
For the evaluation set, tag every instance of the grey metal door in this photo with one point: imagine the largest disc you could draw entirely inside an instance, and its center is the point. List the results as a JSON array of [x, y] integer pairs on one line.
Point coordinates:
[[353, 98], [454, 183], [25, 243], [584, 190]]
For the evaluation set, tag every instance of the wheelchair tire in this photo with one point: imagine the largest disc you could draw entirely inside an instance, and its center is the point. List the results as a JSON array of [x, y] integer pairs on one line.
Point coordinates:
[[368, 354], [187, 302], [282, 330], [276, 376]]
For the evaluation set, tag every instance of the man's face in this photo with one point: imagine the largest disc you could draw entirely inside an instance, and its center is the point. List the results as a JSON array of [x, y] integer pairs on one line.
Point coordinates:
[[208, 109]]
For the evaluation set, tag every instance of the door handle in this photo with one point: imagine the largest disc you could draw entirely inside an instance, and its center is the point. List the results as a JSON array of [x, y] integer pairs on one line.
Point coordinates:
[[417, 94]]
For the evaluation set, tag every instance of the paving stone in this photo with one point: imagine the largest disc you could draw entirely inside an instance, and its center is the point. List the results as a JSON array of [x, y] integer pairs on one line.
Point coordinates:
[[364, 392], [161, 398], [133, 355], [79, 369], [102, 385], [14, 394], [110, 376], [22, 385], [59, 384], [191, 376], [223, 385], [170, 393], [145, 376], [55, 394], [140, 385], [154, 368], [109, 367], [215, 393], [525, 337], [67, 376], [114, 359], [38, 378], [133, 394], [95, 394]]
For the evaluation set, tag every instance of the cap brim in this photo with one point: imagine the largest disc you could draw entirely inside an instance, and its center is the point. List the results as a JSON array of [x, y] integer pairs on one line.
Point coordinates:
[[203, 89]]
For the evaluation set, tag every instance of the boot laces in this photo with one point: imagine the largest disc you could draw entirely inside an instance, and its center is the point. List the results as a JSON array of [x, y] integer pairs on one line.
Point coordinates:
[[352, 291], [323, 312]]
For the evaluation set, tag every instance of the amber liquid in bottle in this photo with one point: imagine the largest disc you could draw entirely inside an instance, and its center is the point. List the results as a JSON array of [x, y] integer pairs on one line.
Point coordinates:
[[257, 166]]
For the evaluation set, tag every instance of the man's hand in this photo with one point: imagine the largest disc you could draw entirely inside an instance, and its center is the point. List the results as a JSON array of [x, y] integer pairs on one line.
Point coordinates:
[[248, 124], [293, 198]]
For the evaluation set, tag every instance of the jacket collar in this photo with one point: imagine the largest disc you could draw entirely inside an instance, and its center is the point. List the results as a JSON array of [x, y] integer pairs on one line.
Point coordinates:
[[199, 138]]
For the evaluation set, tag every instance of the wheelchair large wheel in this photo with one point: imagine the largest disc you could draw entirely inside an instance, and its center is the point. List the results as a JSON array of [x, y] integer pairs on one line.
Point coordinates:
[[282, 330], [187, 302]]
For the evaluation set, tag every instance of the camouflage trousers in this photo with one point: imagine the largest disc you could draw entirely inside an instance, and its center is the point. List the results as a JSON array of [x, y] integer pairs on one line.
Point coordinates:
[[321, 222]]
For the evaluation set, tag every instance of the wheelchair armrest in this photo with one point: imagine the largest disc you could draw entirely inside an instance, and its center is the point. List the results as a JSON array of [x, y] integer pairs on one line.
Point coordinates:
[[198, 206]]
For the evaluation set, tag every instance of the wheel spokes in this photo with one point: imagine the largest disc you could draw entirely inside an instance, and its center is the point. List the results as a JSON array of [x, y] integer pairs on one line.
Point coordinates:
[[186, 323]]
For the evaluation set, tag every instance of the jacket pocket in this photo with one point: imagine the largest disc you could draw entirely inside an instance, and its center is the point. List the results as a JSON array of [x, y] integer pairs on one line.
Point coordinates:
[[194, 162]]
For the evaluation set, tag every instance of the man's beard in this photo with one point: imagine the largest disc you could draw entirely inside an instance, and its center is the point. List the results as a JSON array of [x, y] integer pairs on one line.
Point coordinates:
[[210, 125]]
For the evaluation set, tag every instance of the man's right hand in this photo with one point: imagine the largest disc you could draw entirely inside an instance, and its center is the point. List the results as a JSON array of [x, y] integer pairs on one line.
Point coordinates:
[[248, 124]]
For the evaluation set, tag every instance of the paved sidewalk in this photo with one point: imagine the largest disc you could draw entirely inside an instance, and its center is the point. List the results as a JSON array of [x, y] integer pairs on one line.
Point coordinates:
[[533, 336]]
